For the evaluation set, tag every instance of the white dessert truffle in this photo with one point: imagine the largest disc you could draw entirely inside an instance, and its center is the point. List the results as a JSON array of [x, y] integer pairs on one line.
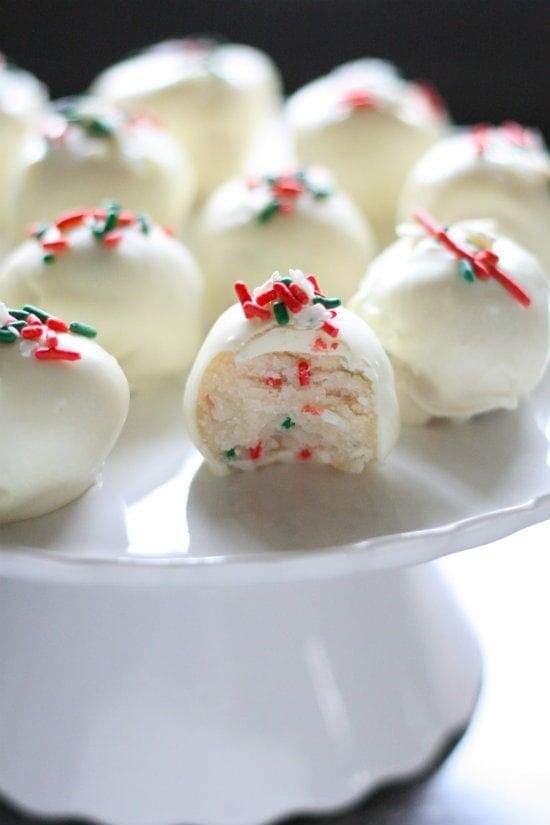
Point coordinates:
[[369, 126], [139, 286], [487, 172], [22, 101], [63, 402], [263, 223], [212, 95], [290, 376], [86, 151], [463, 315]]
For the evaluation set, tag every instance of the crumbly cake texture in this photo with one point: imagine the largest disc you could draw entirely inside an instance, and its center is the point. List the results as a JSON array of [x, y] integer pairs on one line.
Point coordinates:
[[86, 150], [63, 402], [369, 126], [501, 173], [123, 273], [296, 218], [288, 375], [463, 314], [202, 89]]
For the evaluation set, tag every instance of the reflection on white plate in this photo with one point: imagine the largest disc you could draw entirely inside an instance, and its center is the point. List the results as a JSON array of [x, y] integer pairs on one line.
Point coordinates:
[[445, 487]]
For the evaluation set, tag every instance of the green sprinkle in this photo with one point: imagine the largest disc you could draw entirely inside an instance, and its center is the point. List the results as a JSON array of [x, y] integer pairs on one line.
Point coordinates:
[[98, 127], [40, 231], [281, 313], [36, 311], [17, 324], [230, 453], [48, 258], [288, 423], [286, 281], [268, 211], [7, 336], [19, 314], [98, 230], [328, 303], [319, 194], [82, 329], [111, 219], [144, 224], [467, 270]]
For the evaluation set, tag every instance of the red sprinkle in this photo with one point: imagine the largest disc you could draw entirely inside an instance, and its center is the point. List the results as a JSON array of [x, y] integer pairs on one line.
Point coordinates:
[[33, 320], [31, 333], [284, 294], [312, 409], [273, 381], [334, 345], [315, 284], [318, 345], [57, 324], [45, 354], [480, 136], [128, 218], [242, 292], [52, 341], [254, 453], [304, 373], [252, 310], [113, 238], [432, 97], [304, 454], [330, 329], [287, 186], [58, 245], [484, 263], [266, 297], [68, 220], [518, 134], [358, 99], [299, 293], [168, 230]]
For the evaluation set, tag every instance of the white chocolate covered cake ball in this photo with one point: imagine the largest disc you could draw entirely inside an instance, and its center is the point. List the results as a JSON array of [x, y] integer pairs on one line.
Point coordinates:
[[86, 151], [462, 313], [138, 285], [288, 375], [214, 96], [488, 172], [299, 219], [22, 101], [63, 402], [368, 126]]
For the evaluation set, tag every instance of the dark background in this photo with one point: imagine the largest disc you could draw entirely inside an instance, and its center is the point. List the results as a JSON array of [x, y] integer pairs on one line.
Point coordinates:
[[488, 57]]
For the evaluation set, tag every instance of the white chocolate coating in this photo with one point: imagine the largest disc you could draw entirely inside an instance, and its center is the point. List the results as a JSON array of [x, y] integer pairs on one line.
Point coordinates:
[[507, 183], [138, 164], [246, 339], [144, 296], [370, 150], [458, 348], [212, 96], [22, 101], [58, 423], [327, 236]]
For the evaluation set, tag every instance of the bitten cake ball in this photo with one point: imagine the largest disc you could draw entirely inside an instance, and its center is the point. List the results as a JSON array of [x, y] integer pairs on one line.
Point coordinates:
[[212, 95], [255, 224], [138, 285], [369, 126], [86, 151], [287, 375], [462, 313], [488, 172], [63, 401]]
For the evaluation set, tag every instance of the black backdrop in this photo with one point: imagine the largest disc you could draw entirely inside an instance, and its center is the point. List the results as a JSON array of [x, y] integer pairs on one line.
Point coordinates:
[[488, 57]]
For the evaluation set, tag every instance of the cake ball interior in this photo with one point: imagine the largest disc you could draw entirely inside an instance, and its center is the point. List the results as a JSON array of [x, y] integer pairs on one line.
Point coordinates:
[[287, 407]]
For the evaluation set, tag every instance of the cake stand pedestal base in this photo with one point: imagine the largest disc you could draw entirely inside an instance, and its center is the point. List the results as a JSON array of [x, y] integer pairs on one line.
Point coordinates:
[[227, 705]]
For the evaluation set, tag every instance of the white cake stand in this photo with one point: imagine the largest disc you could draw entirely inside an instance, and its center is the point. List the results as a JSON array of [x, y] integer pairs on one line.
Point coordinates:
[[178, 648]]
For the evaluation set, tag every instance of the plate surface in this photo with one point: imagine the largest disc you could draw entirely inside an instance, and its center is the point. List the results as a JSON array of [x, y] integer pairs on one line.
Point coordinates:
[[158, 511]]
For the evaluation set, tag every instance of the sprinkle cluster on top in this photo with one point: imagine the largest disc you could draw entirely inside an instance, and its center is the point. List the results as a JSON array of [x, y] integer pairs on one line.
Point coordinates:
[[279, 193], [95, 119], [363, 97], [106, 224], [296, 300], [483, 133], [482, 265], [38, 333]]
